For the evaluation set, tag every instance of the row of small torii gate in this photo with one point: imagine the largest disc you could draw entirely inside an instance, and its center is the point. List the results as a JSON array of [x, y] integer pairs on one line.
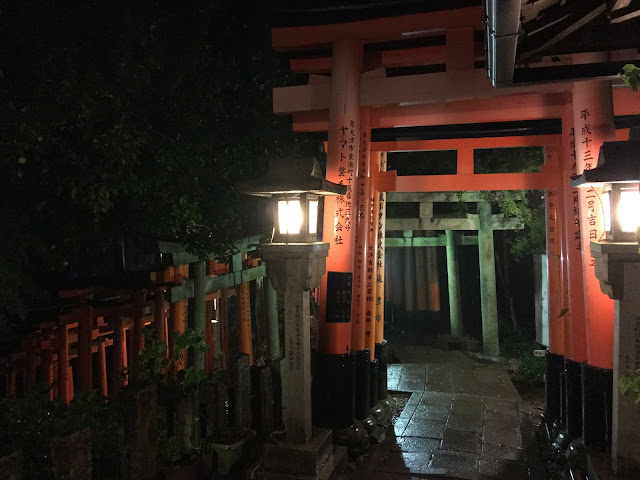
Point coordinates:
[[348, 95]]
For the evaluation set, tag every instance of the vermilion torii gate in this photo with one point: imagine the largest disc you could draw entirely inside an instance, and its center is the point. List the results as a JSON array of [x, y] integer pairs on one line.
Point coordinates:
[[349, 95]]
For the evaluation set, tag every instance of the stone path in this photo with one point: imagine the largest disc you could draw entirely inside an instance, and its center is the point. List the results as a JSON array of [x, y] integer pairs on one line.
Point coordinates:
[[462, 421]]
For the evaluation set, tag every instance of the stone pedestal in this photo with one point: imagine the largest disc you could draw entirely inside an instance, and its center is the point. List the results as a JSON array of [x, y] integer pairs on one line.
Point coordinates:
[[71, 456], [618, 269], [140, 434], [11, 466], [316, 458], [304, 452]]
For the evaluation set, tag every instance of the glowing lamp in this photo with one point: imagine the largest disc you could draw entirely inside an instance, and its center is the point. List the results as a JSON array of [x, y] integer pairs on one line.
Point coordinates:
[[618, 175], [295, 186]]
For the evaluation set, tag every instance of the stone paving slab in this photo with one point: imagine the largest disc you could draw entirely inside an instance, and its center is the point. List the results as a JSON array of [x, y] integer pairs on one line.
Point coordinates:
[[462, 421]]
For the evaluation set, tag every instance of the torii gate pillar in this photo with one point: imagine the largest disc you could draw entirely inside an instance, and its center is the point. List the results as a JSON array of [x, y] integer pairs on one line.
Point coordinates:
[[593, 125], [488, 300], [333, 386]]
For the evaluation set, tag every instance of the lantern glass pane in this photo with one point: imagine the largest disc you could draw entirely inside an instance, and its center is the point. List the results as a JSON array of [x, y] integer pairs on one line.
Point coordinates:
[[629, 210], [606, 209], [313, 217], [289, 216]]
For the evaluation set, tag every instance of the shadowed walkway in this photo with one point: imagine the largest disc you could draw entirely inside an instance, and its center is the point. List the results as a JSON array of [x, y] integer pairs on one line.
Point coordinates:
[[463, 420]]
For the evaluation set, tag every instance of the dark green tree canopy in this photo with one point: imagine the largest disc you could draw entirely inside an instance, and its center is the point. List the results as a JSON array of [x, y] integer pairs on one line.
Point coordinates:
[[127, 122]]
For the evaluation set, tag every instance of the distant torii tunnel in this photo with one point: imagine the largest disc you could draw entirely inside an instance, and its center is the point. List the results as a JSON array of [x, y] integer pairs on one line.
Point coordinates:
[[419, 268]]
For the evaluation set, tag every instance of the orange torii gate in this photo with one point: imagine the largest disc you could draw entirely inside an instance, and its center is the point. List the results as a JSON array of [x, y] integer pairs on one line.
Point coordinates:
[[352, 84]]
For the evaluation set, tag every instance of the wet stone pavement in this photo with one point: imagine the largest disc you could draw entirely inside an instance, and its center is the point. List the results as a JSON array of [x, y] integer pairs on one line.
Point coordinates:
[[460, 422]]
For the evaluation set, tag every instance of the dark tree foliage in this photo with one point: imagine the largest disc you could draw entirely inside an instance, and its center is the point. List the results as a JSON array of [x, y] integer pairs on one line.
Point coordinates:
[[527, 205], [124, 122]]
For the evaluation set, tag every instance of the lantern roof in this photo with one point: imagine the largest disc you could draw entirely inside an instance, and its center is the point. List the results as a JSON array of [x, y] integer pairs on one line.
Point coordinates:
[[292, 175], [618, 162]]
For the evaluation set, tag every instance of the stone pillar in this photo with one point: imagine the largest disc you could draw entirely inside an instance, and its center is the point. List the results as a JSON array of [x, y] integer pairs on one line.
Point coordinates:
[[488, 300], [198, 308], [593, 125], [140, 436], [271, 314], [240, 372], [11, 466], [305, 452], [71, 456], [453, 284], [618, 269], [625, 449], [295, 269], [297, 364]]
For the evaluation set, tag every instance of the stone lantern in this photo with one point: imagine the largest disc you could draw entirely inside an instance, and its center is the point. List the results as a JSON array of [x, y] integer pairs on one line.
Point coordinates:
[[617, 267], [295, 265]]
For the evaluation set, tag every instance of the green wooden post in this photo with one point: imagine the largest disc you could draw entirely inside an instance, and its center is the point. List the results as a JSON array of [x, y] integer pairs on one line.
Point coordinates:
[[198, 307], [453, 283], [488, 301]]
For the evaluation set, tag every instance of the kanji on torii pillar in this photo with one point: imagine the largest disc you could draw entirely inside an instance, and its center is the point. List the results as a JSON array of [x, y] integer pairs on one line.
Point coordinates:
[[333, 387]]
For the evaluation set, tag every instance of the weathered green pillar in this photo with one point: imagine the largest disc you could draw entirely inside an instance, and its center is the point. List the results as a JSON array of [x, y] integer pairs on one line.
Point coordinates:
[[198, 308], [271, 314], [488, 301], [453, 282]]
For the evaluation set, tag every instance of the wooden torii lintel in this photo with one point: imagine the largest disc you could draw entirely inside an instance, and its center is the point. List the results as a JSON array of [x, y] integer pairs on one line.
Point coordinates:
[[439, 241], [376, 30], [498, 222], [531, 106]]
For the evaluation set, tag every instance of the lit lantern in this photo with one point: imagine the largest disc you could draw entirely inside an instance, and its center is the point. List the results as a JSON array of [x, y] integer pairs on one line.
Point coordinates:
[[618, 174], [295, 185]]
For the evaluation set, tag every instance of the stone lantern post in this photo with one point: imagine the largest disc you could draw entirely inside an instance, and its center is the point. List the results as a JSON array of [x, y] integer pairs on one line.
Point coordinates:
[[295, 265], [617, 267]]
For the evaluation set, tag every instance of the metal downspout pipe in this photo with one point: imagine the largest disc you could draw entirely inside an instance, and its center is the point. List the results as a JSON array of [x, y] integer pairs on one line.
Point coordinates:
[[502, 25]]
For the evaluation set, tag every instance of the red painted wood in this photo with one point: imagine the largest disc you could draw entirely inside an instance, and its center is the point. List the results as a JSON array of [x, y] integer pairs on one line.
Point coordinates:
[[362, 206], [376, 30], [84, 363], [593, 125], [342, 164], [575, 322]]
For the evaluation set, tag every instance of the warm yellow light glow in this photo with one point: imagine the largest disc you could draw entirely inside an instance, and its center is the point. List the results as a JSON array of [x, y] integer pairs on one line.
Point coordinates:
[[289, 216], [629, 210], [313, 217], [606, 209]]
